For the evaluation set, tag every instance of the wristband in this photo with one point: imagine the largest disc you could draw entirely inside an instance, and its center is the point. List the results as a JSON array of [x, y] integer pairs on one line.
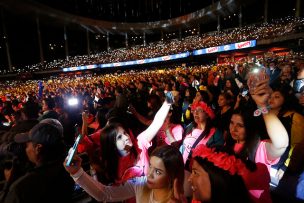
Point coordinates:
[[261, 110]]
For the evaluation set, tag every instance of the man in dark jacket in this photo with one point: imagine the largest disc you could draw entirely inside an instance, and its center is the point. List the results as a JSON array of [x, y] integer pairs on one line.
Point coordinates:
[[48, 182]]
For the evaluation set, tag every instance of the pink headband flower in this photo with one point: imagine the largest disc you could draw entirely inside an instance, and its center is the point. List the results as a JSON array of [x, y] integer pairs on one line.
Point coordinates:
[[205, 108]]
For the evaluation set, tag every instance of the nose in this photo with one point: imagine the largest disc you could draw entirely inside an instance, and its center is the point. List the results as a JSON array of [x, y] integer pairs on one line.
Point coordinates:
[[233, 128], [150, 173], [190, 179], [125, 137]]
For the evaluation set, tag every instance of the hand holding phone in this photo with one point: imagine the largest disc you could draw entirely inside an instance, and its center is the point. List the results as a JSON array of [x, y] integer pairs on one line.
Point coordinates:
[[73, 151], [255, 76], [169, 97]]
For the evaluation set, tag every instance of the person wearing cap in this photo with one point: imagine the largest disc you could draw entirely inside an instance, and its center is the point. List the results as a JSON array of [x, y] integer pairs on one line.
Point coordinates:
[[48, 181]]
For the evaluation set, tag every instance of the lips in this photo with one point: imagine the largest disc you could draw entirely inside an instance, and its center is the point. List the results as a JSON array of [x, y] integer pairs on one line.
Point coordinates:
[[128, 148], [149, 182]]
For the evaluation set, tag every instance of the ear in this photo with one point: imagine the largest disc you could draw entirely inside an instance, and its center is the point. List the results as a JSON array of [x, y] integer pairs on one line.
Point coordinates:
[[38, 148]]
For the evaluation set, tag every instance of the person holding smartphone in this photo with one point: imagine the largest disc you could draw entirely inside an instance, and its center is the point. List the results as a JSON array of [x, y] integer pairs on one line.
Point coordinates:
[[163, 182], [123, 157], [245, 142]]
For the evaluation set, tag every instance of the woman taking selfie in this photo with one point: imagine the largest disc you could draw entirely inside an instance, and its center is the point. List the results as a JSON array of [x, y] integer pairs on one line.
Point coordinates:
[[122, 156], [163, 182]]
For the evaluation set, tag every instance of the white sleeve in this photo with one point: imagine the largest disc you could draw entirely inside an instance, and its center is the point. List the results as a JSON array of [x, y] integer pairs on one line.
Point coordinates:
[[101, 192]]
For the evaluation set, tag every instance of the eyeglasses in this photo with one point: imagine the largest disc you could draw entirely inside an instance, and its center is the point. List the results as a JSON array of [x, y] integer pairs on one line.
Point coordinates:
[[197, 111]]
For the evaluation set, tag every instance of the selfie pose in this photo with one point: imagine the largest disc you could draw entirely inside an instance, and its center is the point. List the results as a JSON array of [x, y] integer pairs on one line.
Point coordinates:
[[163, 182], [122, 157]]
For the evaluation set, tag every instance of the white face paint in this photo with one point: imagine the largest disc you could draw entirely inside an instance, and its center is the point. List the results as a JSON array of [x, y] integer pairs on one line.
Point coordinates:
[[123, 142]]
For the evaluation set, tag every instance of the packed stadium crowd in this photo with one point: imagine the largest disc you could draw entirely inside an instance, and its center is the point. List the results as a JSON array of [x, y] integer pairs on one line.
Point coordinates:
[[200, 133], [270, 30]]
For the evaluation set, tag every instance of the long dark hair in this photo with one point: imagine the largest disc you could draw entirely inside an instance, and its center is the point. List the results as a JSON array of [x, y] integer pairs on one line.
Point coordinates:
[[173, 162], [252, 137], [224, 186], [290, 101], [109, 152]]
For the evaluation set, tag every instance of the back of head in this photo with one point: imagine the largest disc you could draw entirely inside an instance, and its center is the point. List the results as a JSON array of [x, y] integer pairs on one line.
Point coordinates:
[[30, 109], [50, 102]]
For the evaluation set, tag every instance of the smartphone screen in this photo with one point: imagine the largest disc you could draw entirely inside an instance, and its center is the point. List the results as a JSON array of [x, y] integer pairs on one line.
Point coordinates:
[[6, 124], [169, 97], [256, 75], [73, 151]]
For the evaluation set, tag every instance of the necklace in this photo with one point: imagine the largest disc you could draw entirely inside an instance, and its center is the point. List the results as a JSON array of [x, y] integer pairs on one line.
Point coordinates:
[[152, 200]]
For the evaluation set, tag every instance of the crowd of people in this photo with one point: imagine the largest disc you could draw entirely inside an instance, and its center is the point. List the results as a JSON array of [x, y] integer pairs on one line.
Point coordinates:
[[218, 133], [271, 30]]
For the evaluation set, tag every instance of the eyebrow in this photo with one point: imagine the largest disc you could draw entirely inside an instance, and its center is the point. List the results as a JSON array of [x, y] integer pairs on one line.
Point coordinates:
[[157, 168]]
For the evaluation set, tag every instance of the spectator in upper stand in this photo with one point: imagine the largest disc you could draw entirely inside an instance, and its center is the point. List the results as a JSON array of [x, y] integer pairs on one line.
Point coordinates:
[[273, 71], [48, 105], [48, 181]]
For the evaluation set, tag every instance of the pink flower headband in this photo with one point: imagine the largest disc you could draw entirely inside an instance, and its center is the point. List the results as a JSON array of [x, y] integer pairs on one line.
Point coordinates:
[[205, 108], [220, 159]]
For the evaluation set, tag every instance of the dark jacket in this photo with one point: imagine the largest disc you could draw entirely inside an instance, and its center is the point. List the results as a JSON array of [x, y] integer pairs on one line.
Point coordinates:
[[48, 184], [49, 114]]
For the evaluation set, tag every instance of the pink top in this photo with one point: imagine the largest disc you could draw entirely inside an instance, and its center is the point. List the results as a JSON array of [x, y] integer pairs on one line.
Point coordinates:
[[176, 132], [190, 140], [144, 145], [257, 182]]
